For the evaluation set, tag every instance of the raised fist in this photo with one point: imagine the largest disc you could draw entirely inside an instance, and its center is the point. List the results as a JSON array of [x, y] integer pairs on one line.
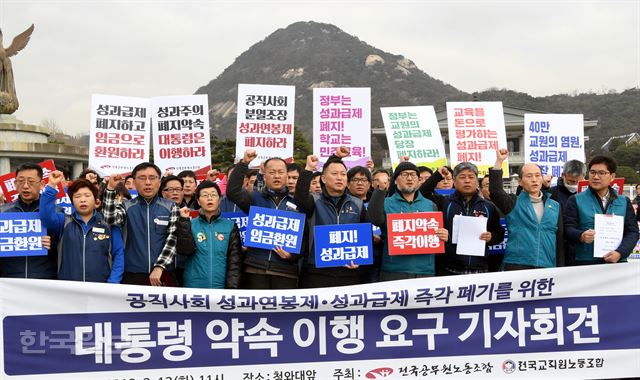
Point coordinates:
[[249, 155]]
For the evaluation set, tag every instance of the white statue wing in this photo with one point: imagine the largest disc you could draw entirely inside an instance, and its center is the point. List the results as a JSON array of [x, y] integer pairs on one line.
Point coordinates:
[[19, 42]]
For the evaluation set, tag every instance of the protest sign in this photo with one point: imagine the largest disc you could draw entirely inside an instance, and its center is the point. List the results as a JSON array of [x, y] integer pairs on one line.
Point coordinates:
[[550, 140], [337, 245], [269, 228], [265, 121], [476, 131], [342, 116], [21, 234], [414, 233], [119, 134], [525, 324], [181, 133], [414, 132]]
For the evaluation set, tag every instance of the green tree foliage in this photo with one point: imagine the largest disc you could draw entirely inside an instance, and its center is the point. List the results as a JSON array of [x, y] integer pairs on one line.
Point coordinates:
[[222, 152], [630, 176], [628, 155], [301, 147]]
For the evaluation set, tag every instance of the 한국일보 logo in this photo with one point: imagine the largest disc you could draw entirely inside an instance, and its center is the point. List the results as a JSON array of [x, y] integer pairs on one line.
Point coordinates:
[[508, 366], [379, 373]]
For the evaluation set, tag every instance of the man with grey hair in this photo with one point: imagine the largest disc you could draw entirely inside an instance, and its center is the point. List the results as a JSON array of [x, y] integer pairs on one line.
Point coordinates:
[[466, 201], [534, 220], [572, 173]]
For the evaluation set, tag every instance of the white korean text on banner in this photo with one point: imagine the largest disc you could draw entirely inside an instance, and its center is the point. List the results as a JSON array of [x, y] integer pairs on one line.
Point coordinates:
[[543, 323], [342, 116], [181, 133], [268, 228], [266, 115], [337, 245], [120, 132], [21, 234], [414, 132], [550, 140], [476, 131]]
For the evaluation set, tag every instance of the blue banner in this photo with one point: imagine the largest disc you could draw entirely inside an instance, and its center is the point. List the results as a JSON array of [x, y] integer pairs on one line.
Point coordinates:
[[531, 323], [21, 234], [240, 218], [268, 228], [342, 244]]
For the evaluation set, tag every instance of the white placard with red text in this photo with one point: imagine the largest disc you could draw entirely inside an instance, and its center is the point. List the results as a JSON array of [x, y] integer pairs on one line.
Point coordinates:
[[181, 132], [476, 130], [342, 116], [120, 132], [266, 115]]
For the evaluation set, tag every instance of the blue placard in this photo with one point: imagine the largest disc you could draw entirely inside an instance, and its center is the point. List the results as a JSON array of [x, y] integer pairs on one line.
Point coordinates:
[[501, 248], [342, 244], [240, 218], [268, 228], [21, 234], [445, 192], [65, 203]]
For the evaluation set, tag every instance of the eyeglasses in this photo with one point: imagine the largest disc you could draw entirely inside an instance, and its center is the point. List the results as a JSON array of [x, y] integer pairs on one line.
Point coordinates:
[[359, 180], [172, 190], [30, 181], [209, 196], [408, 175], [599, 173], [151, 178]]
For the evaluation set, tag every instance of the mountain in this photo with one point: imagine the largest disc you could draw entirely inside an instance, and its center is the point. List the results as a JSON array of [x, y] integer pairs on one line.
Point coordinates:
[[311, 54]]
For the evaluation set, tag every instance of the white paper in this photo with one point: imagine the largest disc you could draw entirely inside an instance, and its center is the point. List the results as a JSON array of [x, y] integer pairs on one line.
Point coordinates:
[[609, 230], [455, 228], [469, 230]]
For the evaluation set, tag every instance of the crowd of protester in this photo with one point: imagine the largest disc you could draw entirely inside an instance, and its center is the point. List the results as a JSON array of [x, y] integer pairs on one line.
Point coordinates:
[[172, 232]]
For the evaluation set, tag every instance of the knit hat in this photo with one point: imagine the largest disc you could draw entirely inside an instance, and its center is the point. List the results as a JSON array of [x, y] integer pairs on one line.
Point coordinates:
[[405, 165]]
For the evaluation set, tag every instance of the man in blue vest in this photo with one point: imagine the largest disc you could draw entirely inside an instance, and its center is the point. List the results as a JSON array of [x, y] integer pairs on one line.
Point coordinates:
[[28, 184], [333, 206], [465, 201], [599, 198], [149, 223], [406, 199], [534, 220], [263, 268]]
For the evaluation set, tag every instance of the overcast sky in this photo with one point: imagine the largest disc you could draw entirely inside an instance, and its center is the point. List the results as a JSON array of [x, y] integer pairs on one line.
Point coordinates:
[[151, 48]]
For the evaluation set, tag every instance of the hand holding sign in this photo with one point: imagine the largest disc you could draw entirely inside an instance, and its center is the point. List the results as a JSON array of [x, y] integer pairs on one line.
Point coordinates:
[[486, 236], [404, 158], [588, 236], [312, 163], [55, 177], [167, 172], [282, 253], [612, 257], [370, 165], [249, 155], [442, 234], [501, 155], [46, 242], [546, 180], [343, 151]]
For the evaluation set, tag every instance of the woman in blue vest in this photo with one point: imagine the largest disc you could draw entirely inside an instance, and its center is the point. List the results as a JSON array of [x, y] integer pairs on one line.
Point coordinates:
[[89, 249], [212, 243]]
